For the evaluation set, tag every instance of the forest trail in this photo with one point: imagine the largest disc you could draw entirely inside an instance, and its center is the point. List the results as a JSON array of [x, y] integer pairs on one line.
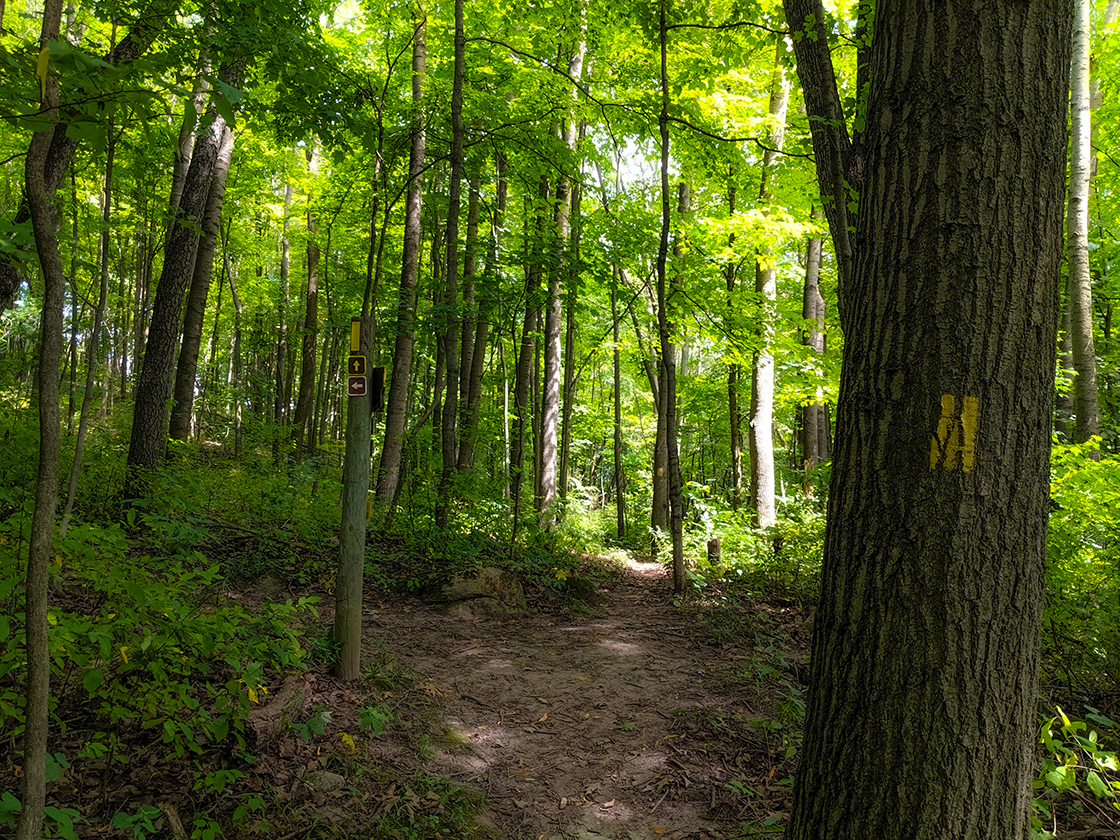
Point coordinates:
[[626, 724]]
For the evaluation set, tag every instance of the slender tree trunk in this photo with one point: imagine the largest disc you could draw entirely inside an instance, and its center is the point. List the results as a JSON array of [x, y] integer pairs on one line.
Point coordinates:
[[730, 273], [450, 426], [95, 332], [186, 372], [839, 167], [304, 432], [761, 432], [184, 146], [571, 299], [619, 479], [921, 718], [668, 385], [523, 372], [283, 387], [553, 311], [75, 308], [389, 471], [814, 441], [43, 220], [486, 307], [1064, 424], [469, 320], [1086, 409]]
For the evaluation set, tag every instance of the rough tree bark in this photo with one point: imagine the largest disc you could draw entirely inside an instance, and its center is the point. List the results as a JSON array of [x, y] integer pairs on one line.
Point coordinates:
[[186, 372], [148, 441], [925, 651]]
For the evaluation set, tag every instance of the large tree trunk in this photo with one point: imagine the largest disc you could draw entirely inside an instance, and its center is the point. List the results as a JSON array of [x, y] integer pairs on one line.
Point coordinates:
[[193, 320], [389, 470], [1086, 409], [921, 710], [761, 428], [33, 784], [148, 442]]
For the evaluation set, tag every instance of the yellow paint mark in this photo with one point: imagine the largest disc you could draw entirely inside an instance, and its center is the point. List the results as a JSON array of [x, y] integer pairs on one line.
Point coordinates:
[[41, 71], [355, 335], [956, 433]]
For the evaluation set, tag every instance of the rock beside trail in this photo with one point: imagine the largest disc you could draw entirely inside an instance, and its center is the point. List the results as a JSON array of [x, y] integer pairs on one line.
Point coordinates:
[[483, 593], [322, 780]]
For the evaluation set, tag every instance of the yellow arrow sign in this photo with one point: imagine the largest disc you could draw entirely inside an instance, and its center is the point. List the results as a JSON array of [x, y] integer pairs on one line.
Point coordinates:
[[356, 365]]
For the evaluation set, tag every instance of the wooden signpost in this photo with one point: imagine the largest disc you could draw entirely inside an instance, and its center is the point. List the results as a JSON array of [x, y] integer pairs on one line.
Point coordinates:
[[355, 491]]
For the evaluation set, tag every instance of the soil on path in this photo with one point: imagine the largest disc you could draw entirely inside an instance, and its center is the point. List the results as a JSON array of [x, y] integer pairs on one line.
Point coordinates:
[[626, 724]]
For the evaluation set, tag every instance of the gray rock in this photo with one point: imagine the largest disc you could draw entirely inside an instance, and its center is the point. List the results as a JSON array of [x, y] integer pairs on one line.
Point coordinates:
[[323, 780], [484, 593]]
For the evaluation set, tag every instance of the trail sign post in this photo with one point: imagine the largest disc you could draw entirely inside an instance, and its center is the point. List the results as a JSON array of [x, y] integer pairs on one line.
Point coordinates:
[[355, 491]]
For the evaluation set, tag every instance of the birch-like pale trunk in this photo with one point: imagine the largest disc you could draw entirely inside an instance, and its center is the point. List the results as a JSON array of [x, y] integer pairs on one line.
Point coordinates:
[[1086, 409], [760, 432]]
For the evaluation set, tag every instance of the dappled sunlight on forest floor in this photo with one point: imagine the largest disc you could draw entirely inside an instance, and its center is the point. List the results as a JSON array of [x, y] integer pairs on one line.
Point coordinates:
[[620, 716], [628, 723]]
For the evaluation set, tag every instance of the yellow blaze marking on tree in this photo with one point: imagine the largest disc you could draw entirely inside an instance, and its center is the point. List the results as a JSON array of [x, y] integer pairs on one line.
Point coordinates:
[[41, 71], [956, 433], [355, 334]]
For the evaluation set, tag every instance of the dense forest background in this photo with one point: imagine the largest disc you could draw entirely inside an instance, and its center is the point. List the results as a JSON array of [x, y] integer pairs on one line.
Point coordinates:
[[586, 247]]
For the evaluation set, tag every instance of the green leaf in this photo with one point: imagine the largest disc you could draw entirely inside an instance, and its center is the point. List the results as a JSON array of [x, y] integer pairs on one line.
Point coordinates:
[[92, 679], [1057, 778], [55, 765], [1097, 785]]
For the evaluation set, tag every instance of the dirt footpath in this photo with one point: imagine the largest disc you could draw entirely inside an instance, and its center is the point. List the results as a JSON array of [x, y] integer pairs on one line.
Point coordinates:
[[628, 724]]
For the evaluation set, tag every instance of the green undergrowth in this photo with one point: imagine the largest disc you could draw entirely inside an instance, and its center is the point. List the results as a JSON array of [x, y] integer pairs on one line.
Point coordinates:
[[1081, 624]]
